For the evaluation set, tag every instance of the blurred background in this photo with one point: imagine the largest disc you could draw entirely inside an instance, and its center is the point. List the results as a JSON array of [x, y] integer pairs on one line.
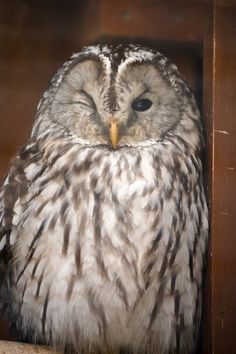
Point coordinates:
[[36, 37]]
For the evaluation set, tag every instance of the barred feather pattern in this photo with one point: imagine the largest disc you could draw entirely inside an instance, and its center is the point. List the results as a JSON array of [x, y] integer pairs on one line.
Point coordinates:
[[86, 271], [106, 247]]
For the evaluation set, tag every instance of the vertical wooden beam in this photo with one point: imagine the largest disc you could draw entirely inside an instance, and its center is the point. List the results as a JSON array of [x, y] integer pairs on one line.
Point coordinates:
[[220, 108], [208, 109]]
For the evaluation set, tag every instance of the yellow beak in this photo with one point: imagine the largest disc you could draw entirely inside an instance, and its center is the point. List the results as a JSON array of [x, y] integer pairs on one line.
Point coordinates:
[[114, 132]]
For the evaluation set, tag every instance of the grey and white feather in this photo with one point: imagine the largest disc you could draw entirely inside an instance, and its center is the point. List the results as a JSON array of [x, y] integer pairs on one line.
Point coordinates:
[[104, 221]]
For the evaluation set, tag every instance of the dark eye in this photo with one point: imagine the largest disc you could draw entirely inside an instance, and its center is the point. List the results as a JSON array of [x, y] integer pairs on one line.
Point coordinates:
[[141, 105]]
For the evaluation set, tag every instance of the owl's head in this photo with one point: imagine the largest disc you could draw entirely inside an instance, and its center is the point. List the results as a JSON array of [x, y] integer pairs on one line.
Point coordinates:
[[123, 95]]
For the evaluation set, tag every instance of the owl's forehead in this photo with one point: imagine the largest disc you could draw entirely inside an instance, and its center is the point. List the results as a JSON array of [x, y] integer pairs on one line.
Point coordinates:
[[114, 71], [116, 58], [120, 52]]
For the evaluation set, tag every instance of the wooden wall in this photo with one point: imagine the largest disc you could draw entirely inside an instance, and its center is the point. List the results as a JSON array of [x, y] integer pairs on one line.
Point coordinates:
[[219, 113], [35, 38]]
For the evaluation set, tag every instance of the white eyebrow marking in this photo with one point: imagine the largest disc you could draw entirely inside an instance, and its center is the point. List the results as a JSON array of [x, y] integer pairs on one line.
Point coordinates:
[[133, 56]]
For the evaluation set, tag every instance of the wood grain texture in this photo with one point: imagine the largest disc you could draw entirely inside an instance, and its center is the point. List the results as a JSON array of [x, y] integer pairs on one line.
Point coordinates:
[[7, 347], [163, 20], [35, 38], [220, 106], [206, 327], [224, 177]]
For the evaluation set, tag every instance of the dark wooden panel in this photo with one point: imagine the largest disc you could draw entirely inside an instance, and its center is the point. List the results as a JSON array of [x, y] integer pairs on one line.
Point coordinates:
[[163, 20], [58, 18], [208, 109], [22, 86], [4, 330], [5, 158], [224, 194], [35, 39], [220, 103]]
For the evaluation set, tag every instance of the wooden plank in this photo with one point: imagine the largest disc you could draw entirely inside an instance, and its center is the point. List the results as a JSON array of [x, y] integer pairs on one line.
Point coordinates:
[[35, 39], [20, 92], [208, 120], [224, 188], [62, 19], [175, 21], [5, 158], [220, 104], [7, 347]]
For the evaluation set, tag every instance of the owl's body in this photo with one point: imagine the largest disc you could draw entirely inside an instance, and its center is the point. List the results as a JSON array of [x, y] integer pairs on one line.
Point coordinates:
[[107, 241]]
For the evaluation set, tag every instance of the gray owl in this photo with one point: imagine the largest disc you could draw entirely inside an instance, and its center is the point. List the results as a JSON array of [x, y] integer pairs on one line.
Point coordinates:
[[104, 221]]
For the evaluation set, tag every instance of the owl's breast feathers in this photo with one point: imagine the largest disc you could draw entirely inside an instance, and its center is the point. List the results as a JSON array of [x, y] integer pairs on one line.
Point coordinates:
[[96, 236]]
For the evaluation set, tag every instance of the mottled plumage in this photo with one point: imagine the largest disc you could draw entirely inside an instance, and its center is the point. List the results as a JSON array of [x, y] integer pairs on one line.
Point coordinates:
[[104, 241]]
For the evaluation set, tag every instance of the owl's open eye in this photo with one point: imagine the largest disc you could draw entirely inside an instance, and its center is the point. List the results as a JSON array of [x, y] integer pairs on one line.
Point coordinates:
[[142, 104]]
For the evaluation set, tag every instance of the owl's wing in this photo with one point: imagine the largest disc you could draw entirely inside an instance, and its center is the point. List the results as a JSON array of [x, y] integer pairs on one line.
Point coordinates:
[[7, 201], [5, 231], [13, 194], [14, 190], [9, 195]]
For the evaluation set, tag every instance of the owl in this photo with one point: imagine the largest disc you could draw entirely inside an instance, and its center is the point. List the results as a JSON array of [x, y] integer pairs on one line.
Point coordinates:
[[104, 220]]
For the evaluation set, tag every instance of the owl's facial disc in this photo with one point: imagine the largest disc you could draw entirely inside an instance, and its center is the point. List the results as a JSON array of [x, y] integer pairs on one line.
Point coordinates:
[[113, 106]]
